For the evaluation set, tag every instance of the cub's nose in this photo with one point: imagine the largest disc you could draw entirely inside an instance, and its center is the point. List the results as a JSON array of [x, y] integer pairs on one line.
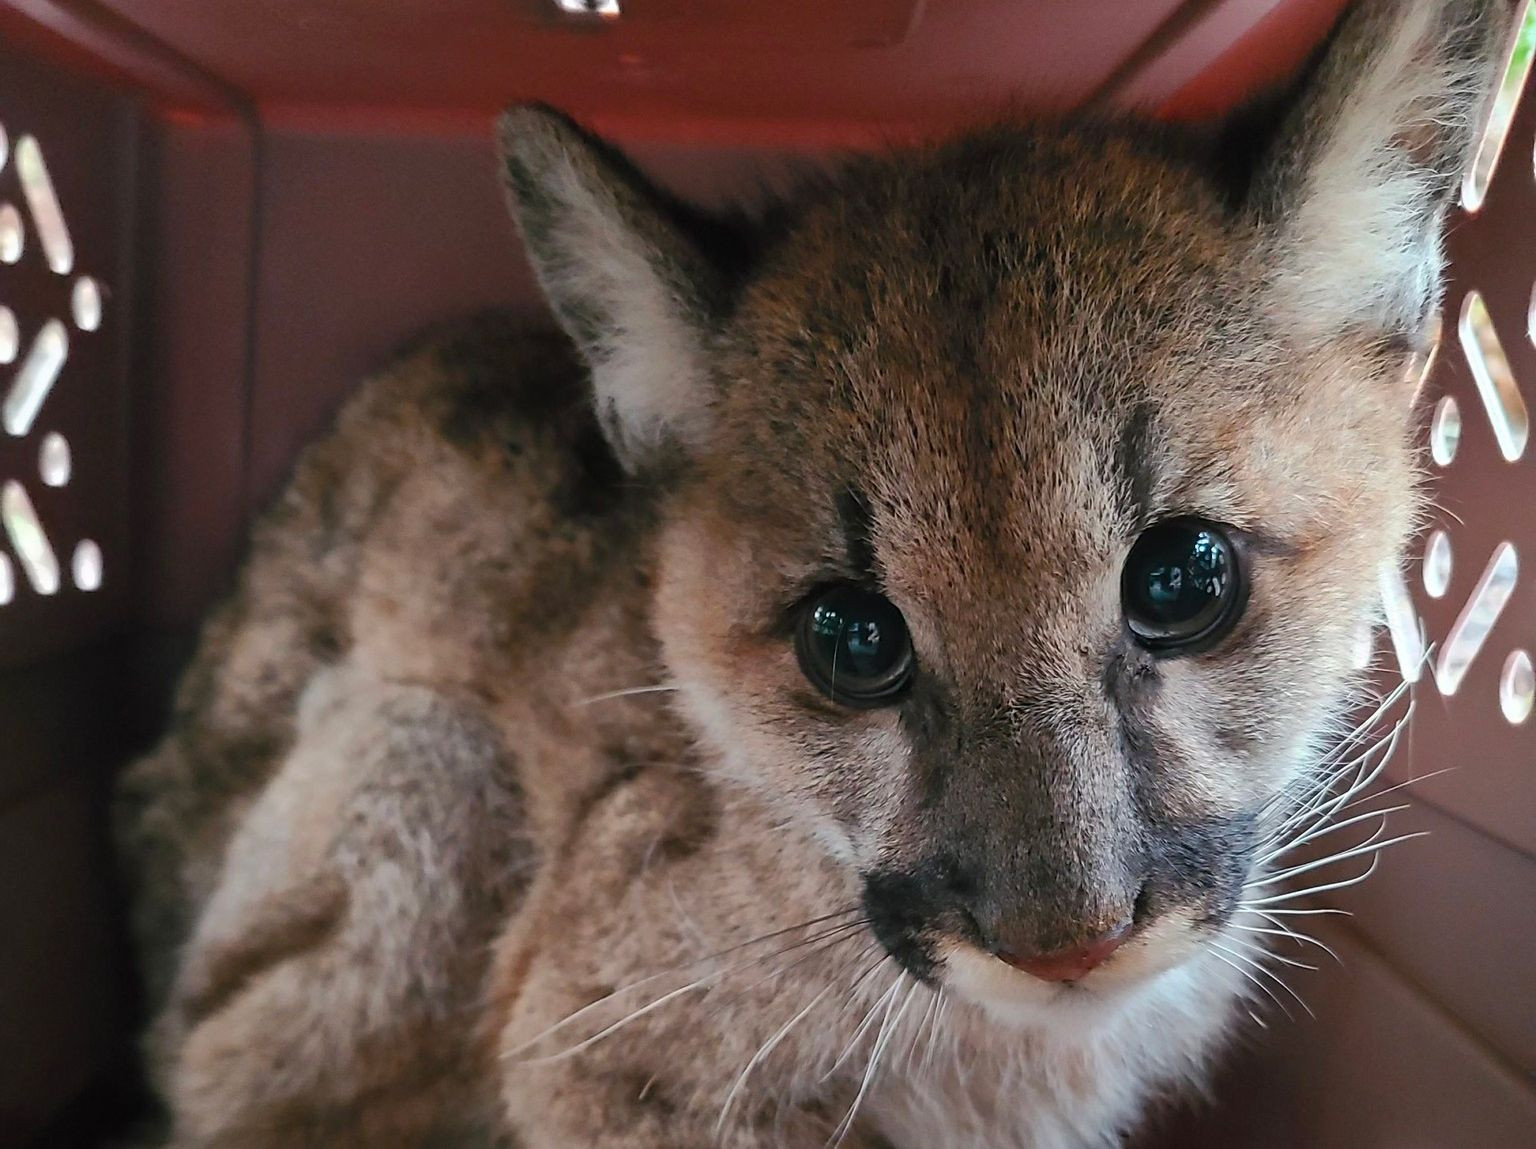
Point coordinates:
[[1071, 963]]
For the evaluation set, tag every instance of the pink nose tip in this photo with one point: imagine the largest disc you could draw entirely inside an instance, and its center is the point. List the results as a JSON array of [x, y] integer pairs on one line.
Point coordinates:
[[1074, 962]]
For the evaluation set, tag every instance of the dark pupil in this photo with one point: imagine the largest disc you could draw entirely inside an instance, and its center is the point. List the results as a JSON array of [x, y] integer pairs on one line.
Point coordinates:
[[1184, 574], [858, 639]]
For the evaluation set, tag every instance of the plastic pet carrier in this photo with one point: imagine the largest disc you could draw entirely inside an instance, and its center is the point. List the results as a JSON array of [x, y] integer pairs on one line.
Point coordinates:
[[215, 217]]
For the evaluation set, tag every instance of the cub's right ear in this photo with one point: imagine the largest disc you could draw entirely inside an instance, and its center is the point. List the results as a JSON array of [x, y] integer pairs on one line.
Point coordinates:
[[616, 260]]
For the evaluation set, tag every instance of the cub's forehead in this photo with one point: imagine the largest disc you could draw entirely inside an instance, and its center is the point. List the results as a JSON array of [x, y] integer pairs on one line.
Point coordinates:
[[1048, 214], [1046, 266], [1073, 428], [948, 451], [1013, 332], [1009, 364]]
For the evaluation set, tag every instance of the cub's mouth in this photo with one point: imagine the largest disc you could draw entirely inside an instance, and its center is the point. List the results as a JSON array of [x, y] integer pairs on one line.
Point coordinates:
[[1009, 969]]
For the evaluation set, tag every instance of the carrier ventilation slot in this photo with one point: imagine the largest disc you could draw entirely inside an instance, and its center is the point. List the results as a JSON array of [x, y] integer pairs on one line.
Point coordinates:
[[1495, 381], [43, 203], [13, 234], [85, 566], [10, 336], [1477, 618], [1474, 185], [28, 540], [1517, 688], [54, 463], [35, 378], [1402, 623]]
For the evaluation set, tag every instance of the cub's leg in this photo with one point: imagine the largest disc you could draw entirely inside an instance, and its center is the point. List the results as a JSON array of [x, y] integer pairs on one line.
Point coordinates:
[[666, 986], [329, 994]]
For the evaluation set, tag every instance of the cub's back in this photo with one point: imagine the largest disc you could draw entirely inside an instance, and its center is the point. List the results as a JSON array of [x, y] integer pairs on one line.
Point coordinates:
[[456, 510]]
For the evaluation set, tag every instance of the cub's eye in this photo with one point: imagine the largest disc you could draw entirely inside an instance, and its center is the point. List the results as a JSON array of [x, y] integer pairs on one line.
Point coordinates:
[[854, 647], [1182, 588]]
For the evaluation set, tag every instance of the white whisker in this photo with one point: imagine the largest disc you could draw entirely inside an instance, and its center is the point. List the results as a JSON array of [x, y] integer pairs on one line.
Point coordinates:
[[933, 1037], [1286, 932], [627, 693], [832, 938], [1263, 953], [1369, 847], [1323, 798], [1240, 968], [1259, 968], [1290, 896], [1400, 786], [1324, 831], [762, 1054], [923, 1023], [869, 1017], [1326, 803], [578, 1014], [702, 983], [888, 1027], [691, 987]]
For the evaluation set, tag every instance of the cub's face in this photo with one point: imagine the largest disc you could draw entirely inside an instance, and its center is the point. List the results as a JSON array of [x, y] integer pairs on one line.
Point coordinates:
[[1024, 498], [1027, 568]]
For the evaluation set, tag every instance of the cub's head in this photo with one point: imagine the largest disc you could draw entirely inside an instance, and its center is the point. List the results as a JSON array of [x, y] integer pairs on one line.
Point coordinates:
[[1025, 496]]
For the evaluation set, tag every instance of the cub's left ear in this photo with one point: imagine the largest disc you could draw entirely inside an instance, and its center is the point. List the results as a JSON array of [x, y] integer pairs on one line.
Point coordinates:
[[618, 263], [1354, 191]]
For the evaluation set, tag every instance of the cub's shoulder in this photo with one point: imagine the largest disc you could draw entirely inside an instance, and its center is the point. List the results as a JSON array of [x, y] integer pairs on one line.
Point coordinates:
[[489, 380], [493, 398]]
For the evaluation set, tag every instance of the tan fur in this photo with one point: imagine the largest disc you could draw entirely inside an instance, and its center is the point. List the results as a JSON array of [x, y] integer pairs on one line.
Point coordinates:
[[498, 809]]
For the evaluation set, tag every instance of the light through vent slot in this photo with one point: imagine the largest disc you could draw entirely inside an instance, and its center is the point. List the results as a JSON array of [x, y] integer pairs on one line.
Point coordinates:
[[1495, 381], [35, 378], [13, 235], [1477, 618], [1365, 646], [86, 566], [1422, 361], [1445, 431], [10, 335], [28, 540], [53, 461], [605, 9], [43, 203], [1402, 623], [1517, 688], [85, 303], [1437, 564], [7, 580], [1474, 186]]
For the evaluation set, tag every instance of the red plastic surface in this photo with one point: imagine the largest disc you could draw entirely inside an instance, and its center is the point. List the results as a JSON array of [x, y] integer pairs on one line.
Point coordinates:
[[699, 69], [314, 180]]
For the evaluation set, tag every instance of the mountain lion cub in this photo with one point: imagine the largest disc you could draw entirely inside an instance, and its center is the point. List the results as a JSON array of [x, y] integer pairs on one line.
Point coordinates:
[[855, 685]]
